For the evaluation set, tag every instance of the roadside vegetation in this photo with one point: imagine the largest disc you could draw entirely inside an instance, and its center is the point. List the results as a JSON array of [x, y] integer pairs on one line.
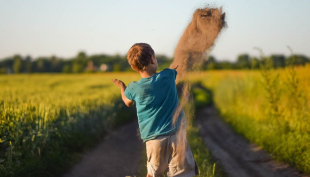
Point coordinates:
[[270, 107], [47, 120]]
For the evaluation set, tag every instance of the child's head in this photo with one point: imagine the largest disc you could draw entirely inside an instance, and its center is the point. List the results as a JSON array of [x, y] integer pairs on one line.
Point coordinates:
[[140, 55]]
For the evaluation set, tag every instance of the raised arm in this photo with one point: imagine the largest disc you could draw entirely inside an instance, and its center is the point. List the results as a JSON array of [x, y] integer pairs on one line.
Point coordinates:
[[122, 86]]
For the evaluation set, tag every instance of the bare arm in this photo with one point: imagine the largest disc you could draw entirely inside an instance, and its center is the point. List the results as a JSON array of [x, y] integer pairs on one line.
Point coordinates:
[[122, 86]]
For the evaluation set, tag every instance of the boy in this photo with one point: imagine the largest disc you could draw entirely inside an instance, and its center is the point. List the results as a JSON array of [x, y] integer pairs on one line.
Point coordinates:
[[156, 100]]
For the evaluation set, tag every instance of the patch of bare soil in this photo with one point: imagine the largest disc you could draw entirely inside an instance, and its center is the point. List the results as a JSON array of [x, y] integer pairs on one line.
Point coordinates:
[[118, 155], [237, 156]]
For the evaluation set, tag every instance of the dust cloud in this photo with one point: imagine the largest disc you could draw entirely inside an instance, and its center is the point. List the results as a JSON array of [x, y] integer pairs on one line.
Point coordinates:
[[197, 39], [192, 48]]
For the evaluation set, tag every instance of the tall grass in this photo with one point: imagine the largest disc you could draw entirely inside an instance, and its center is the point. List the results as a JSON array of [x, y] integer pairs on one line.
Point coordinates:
[[46, 118], [269, 107]]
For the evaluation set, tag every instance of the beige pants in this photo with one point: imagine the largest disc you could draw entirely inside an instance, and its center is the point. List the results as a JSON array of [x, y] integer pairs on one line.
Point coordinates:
[[163, 155]]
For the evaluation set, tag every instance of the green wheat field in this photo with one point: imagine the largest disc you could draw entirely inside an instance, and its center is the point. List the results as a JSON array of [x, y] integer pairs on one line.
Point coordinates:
[[45, 117]]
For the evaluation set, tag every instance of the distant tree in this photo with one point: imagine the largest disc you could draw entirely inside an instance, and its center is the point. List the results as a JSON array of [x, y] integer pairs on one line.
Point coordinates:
[[210, 63], [116, 67], [17, 67], [297, 60], [77, 68], [243, 61], [41, 65], [81, 56], [277, 61], [2, 70], [163, 62], [55, 64], [255, 63], [66, 69], [79, 63], [211, 59], [225, 65], [28, 64]]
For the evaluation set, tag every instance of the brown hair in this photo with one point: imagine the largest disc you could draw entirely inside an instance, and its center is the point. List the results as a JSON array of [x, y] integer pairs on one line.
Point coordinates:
[[139, 56]]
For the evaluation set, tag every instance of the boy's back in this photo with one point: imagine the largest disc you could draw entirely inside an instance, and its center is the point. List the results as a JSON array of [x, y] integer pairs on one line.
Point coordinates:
[[156, 99], [157, 105]]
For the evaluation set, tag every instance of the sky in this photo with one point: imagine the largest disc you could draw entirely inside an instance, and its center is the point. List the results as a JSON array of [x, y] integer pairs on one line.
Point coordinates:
[[63, 28]]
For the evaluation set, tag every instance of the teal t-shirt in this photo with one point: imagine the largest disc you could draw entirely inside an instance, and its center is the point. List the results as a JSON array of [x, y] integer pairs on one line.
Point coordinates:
[[156, 100]]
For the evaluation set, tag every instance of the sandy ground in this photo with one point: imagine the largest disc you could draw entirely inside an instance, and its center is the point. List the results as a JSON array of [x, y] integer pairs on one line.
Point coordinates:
[[118, 155], [237, 156]]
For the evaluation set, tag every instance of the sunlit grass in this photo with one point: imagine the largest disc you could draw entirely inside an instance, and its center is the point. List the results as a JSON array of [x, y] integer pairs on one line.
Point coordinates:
[[41, 114], [280, 125], [45, 118]]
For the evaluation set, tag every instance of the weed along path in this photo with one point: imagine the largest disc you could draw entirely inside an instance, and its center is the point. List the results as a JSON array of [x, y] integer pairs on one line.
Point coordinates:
[[118, 154], [236, 155]]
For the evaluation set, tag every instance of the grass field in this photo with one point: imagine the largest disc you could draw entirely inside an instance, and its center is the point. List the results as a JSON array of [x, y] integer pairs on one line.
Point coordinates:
[[44, 119], [268, 107], [47, 120]]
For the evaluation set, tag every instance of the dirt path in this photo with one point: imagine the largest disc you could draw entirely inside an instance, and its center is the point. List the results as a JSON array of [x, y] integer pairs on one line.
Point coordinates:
[[117, 156], [236, 155]]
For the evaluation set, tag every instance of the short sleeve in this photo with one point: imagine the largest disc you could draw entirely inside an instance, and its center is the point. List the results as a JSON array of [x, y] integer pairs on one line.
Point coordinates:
[[128, 92], [171, 72]]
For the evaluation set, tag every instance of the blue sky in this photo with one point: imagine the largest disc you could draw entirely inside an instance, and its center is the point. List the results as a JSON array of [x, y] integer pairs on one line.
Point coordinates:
[[62, 28]]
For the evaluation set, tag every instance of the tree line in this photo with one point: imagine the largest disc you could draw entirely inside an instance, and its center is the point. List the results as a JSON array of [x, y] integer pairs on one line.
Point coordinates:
[[117, 63], [245, 61]]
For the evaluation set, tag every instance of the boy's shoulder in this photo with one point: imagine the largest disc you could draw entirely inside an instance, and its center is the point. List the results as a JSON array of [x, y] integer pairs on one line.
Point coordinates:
[[166, 71], [171, 72], [132, 84]]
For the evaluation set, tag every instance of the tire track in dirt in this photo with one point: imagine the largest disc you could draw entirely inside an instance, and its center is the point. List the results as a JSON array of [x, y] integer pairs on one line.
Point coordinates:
[[119, 154], [237, 156]]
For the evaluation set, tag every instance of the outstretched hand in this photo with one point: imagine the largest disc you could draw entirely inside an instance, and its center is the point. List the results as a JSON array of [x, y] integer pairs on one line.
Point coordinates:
[[122, 86], [119, 83]]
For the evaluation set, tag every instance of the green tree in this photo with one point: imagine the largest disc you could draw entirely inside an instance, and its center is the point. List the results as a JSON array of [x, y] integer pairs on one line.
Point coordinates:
[[225, 65], [55, 64], [116, 67], [243, 61], [79, 63], [297, 60], [28, 64], [41, 66], [210, 63], [81, 58], [77, 68], [66, 69], [17, 66], [2, 70], [254, 63], [277, 61]]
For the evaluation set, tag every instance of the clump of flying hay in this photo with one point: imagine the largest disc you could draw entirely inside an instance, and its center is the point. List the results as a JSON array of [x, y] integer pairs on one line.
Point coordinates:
[[197, 39], [192, 48]]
